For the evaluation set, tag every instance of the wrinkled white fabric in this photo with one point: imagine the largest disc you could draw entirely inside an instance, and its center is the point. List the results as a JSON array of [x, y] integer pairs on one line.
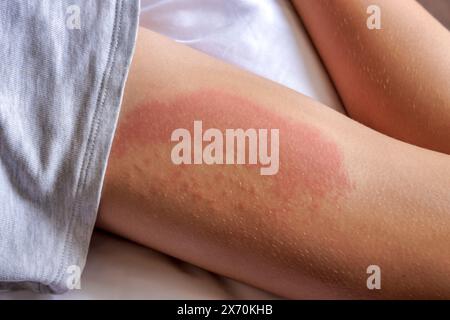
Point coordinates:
[[264, 37]]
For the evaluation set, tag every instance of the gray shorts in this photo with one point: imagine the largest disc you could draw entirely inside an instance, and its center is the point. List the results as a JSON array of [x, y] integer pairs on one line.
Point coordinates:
[[63, 65]]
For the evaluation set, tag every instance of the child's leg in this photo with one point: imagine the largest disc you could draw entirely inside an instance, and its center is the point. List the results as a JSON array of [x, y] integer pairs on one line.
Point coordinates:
[[395, 79], [341, 198]]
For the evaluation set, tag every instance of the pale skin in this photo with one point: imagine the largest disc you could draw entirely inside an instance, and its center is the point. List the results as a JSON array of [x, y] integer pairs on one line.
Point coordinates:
[[345, 196], [396, 79]]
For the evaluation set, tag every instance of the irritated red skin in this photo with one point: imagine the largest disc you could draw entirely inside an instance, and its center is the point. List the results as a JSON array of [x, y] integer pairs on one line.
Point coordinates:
[[309, 161]]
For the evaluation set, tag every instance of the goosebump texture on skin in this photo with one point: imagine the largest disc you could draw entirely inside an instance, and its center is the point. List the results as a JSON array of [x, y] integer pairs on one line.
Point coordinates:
[[310, 163]]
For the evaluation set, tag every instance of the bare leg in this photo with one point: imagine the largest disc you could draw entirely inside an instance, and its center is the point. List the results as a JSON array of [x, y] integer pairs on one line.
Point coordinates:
[[395, 80], [345, 197]]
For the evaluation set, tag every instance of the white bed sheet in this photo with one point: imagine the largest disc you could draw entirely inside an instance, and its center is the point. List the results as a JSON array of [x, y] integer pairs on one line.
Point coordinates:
[[264, 37]]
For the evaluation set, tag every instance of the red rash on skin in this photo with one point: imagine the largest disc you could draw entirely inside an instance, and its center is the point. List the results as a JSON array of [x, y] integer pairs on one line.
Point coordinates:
[[307, 159]]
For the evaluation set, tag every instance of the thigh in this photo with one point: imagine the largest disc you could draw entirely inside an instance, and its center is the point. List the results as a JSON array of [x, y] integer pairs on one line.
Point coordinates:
[[294, 217]]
